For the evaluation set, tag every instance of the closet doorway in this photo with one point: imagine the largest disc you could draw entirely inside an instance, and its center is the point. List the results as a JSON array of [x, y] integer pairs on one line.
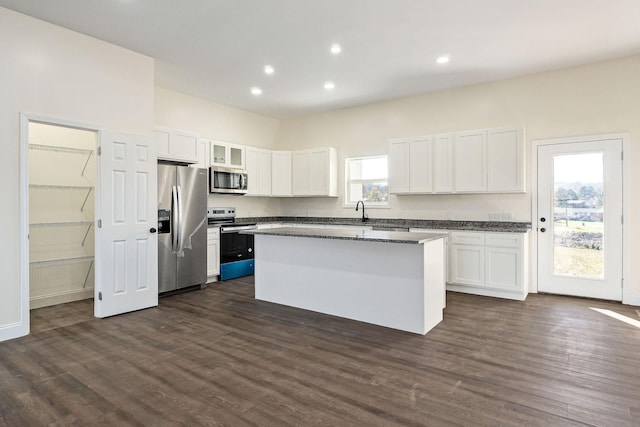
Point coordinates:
[[62, 177]]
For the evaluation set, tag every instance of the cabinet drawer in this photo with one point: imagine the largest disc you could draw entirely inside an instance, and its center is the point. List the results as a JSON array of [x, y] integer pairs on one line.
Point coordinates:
[[467, 238], [504, 240], [213, 233]]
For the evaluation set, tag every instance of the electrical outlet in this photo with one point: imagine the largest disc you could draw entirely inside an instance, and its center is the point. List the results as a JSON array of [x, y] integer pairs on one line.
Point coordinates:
[[506, 216], [494, 216], [449, 215]]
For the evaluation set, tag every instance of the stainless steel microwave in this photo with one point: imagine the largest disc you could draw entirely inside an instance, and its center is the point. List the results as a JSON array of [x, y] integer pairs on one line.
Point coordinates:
[[227, 180]]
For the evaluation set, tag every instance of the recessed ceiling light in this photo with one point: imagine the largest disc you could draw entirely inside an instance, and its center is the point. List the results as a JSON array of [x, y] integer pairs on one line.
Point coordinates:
[[336, 48], [442, 60], [329, 85], [268, 69], [256, 91]]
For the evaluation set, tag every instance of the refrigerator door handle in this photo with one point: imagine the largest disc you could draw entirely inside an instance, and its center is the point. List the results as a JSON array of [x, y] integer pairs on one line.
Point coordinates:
[[180, 226], [175, 220]]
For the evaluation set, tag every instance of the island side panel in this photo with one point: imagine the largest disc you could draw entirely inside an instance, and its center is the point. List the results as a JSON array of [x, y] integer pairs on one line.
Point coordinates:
[[374, 282], [435, 297]]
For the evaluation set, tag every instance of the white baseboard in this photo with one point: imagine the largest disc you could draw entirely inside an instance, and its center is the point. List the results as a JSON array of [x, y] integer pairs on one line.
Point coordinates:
[[60, 298], [13, 330], [487, 292]]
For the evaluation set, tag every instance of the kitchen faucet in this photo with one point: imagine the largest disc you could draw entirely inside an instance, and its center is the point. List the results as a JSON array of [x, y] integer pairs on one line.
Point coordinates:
[[364, 218]]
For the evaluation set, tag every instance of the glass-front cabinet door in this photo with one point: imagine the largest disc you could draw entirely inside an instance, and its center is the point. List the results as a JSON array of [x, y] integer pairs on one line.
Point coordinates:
[[228, 155]]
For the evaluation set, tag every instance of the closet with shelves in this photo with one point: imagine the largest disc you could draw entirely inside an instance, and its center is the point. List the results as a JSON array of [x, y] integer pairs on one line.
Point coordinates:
[[62, 170]]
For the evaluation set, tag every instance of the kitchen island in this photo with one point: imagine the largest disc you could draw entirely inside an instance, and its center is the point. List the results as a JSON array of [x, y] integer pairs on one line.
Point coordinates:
[[387, 278]]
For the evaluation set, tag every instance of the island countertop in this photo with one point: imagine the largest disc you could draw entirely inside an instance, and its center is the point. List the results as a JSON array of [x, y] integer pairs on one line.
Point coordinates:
[[340, 234]]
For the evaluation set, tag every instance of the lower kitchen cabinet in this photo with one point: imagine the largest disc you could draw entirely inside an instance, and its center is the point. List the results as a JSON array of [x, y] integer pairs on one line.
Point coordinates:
[[491, 264], [467, 265], [487, 263], [213, 254]]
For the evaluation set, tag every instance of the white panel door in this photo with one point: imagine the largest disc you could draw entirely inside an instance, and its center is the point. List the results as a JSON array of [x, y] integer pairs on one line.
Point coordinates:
[[399, 162], [251, 161], [319, 172], [467, 264], [443, 163], [469, 158], [281, 173], [505, 160], [300, 183], [126, 241], [421, 165], [264, 172], [579, 222]]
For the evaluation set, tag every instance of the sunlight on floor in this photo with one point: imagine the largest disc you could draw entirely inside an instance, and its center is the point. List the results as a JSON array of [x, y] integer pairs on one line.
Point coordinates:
[[618, 316]]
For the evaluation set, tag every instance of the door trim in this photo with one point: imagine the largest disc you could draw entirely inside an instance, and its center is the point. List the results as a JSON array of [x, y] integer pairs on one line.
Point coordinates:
[[23, 326], [627, 297]]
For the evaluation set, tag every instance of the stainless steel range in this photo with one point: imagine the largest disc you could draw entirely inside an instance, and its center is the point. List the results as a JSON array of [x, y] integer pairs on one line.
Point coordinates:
[[236, 250]]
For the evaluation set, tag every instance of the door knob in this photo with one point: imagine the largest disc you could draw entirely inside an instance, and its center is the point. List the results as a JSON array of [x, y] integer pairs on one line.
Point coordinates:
[[152, 230], [542, 230]]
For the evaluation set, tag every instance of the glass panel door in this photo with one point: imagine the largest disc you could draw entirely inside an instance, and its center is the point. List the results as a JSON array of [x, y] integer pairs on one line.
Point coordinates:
[[579, 222]]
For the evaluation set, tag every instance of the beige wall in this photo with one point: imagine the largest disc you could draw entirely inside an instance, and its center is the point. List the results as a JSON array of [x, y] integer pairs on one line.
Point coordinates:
[[595, 99], [53, 72], [215, 121]]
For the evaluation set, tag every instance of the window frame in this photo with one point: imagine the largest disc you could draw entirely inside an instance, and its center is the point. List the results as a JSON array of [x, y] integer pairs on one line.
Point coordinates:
[[348, 181]]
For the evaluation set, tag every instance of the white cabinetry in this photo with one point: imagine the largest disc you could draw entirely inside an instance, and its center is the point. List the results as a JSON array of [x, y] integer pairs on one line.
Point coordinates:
[[228, 155], [314, 172], [443, 163], [258, 165], [281, 173], [491, 264], [504, 261], [411, 165], [176, 145], [505, 160], [399, 158], [420, 165], [482, 161], [213, 253], [466, 258], [203, 154], [469, 161]]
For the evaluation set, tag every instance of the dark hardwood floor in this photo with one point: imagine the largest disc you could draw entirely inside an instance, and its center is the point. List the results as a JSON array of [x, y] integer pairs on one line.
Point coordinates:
[[218, 357]]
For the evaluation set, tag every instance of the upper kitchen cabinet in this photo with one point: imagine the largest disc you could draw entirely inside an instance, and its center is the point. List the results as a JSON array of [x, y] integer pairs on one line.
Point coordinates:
[[490, 160], [176, 145], [203, 153], [505, 160], [258, 165], [281, 173], [482, 161], [399, 157], [443, 163], [315, 172], [226, 154], [470, 162], [411, 165]]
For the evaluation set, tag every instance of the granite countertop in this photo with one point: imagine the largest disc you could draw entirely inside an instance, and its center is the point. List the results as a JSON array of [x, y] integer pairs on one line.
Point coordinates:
[[381, 223], [337, 234]]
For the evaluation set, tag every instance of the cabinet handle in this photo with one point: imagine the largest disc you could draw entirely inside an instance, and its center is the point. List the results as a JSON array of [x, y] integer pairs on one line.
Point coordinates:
[[542, 230]]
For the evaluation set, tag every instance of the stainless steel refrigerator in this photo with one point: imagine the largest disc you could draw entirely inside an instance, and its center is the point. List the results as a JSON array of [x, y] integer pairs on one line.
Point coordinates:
[[182, 227]]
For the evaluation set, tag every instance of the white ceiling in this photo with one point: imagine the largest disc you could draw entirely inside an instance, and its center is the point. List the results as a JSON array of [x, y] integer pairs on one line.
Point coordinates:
[[216, 49]]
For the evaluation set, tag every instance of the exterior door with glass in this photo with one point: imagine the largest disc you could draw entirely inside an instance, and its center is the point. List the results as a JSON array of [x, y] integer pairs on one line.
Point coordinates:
[[579, 221]]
